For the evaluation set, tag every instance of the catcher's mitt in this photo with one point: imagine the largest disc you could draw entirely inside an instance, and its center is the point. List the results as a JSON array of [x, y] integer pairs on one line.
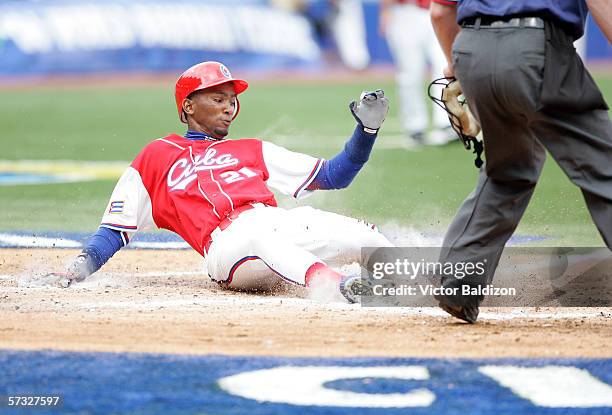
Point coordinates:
[[459, 115]]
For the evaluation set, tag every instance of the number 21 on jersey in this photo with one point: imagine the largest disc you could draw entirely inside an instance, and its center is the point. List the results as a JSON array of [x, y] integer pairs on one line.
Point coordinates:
[[236, 176]]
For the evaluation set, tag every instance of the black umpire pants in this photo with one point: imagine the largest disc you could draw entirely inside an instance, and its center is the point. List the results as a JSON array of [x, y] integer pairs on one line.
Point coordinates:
[[525, 107]]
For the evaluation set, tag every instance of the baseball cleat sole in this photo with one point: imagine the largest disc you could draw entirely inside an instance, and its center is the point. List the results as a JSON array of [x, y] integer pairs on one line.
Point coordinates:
[[353, 289]]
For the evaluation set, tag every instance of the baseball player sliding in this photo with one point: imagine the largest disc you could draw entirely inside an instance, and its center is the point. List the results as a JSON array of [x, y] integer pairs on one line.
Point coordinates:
[[215, 194]]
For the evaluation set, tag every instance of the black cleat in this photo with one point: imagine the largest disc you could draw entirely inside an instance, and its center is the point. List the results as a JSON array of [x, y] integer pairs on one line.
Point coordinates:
[[469, 314], [353, 288]]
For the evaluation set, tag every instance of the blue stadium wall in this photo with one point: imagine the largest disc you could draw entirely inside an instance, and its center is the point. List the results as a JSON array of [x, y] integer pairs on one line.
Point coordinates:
[[39, 38]]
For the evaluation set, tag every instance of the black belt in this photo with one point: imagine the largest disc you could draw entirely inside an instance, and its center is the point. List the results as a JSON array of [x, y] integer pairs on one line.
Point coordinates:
[[489, 22]]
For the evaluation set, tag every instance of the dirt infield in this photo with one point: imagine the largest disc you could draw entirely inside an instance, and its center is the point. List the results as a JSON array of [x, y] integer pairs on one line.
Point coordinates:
[[160, 301]]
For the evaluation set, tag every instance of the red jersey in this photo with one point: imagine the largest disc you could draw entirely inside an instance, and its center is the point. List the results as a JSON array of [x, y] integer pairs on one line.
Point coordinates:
[[190, 186], [421, 3]]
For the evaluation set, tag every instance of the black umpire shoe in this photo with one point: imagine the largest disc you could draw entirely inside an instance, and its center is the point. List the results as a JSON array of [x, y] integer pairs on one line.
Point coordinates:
[[469, 313]]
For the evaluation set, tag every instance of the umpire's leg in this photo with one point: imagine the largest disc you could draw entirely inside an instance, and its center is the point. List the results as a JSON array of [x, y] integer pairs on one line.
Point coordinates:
[[581, 143], [499, 79]]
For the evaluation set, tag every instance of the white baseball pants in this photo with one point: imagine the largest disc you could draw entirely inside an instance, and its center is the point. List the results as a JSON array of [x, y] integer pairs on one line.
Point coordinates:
[[349, 32], [413, 43], [267, 240]]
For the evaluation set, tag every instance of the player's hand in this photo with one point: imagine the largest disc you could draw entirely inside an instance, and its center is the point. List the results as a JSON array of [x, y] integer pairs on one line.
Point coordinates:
[[449, 71], [54, 279], [76, 271], [371, 110], [383, 21]]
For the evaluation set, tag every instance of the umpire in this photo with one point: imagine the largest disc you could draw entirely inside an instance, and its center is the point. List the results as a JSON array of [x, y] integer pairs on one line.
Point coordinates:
[[530, 91]]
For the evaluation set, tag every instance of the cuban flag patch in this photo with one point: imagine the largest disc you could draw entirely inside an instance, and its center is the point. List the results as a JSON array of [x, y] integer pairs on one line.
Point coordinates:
[[116, 206]]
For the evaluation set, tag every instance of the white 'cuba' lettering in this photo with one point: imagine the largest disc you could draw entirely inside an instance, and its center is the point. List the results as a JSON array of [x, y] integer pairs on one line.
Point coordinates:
[[183, 172]]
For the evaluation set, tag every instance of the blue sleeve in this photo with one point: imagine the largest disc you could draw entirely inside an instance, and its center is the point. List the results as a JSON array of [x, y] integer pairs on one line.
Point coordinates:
[[103, 245], [339, 172]]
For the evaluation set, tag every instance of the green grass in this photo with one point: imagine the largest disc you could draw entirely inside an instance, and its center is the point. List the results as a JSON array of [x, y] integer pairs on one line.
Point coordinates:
[[420, 189]]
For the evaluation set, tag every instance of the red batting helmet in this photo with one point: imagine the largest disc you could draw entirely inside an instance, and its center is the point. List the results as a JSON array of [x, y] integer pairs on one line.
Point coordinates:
[[205, 75]]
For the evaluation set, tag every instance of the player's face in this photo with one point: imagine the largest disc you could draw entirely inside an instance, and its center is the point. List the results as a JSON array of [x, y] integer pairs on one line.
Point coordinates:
[[211, 110]]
